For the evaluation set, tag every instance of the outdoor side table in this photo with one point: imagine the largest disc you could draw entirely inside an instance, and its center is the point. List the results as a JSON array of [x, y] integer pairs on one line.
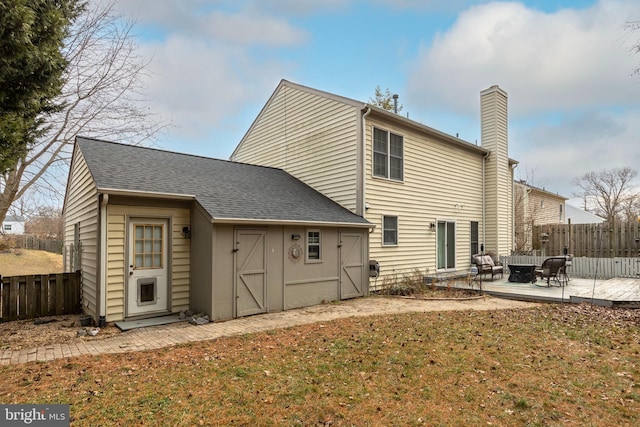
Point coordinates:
[[522, 273]]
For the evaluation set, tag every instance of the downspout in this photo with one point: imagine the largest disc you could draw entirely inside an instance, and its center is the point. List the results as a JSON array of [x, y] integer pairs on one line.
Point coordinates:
[[484, 200], [364, 162], [102, 320], [513, 209]]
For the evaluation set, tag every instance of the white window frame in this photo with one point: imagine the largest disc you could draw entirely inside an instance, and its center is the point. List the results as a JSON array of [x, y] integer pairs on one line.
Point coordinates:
[[388, 156], [6, 227], [384, 229], [309, 243]]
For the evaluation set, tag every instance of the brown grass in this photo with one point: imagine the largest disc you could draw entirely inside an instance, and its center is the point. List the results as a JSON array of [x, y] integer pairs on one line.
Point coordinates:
[[548, 366], [18, 262]]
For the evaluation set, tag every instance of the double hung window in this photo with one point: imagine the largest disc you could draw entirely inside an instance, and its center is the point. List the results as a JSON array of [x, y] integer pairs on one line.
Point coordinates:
[[387, 154], [390, 230], [313, 245]]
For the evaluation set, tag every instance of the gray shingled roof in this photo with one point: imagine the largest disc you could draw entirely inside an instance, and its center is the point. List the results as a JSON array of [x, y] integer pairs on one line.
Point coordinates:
[[226, 190]]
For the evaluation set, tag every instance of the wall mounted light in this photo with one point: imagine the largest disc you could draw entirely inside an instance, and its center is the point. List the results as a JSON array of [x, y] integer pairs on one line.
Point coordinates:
[[432, 226], [186, 232], [295, 236]]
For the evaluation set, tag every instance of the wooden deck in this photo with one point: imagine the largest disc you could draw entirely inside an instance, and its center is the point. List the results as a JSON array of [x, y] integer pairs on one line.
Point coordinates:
[[616, 292]]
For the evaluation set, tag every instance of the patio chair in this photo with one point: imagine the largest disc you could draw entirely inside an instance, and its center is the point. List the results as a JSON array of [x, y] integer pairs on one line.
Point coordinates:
[[486, 265], [553, 268]]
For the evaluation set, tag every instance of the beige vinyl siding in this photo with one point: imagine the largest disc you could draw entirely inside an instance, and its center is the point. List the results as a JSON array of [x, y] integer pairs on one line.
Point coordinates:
[[499, 182], [545, 209], [312, 137], [117, 250], [534, 207], [81, 206], [116, 230], [437, 175]]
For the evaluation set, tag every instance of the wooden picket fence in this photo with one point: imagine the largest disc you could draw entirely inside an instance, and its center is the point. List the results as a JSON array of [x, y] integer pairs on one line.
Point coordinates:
[[29, 297], [587, 267]]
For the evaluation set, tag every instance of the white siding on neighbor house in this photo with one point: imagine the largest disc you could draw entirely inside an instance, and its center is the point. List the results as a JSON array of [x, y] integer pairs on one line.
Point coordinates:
[[441, 182], [12, 225], [116, 261], [312, 137], [498, 173], [81, 207]]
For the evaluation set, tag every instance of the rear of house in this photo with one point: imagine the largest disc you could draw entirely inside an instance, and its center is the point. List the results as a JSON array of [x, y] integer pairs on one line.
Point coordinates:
[[156, 232], [434, 199]]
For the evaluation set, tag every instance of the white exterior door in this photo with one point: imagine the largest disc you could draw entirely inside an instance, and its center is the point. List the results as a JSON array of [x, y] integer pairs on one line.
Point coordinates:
[[147, 289]]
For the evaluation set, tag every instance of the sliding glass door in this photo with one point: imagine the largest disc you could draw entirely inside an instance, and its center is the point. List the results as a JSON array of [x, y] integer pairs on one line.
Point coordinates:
[[446, 245]]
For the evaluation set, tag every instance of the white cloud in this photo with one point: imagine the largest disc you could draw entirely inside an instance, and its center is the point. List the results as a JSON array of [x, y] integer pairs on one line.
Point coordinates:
[[207, 61], [561, 152], [197, 85], [572, 97], [570, 59], [250, 29], [231, 22]]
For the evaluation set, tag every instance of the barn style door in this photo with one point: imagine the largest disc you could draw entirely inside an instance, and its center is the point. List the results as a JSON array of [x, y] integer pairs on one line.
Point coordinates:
[[352, 266], [251, 272]]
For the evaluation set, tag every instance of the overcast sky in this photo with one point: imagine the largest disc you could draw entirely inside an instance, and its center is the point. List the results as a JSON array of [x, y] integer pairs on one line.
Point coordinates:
[[567, 66]]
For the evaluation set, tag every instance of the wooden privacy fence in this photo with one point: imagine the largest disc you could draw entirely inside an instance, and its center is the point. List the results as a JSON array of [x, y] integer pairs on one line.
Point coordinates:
[[29, 297], [26, 241], [588, 240], [598, 268]]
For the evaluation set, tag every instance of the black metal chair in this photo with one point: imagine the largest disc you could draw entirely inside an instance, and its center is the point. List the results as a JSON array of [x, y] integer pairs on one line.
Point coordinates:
[[553, 268]]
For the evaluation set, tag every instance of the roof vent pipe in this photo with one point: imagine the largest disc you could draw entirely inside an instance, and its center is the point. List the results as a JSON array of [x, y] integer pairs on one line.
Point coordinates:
[[395, 103]]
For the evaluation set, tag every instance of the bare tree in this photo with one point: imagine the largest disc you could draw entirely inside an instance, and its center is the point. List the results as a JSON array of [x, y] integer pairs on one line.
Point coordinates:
[[526, 215], [635, 48], [606, 192], [45, 224], [102, 98], [631, 208]]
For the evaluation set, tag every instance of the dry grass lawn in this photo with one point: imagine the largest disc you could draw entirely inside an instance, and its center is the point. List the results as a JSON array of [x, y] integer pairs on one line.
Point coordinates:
[[17, 262], [553, 365]]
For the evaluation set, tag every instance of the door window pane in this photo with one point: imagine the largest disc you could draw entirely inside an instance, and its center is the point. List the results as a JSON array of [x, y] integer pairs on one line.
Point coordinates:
[[148, 246]]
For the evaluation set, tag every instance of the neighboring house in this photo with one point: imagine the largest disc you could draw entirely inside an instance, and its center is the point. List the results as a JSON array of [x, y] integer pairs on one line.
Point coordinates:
[[576, 215], [162, 232], [534, 206], [13, 224], [434, 198]]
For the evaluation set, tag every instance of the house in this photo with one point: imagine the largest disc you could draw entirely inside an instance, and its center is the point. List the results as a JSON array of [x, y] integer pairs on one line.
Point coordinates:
[[157, 232], [534, 206], [574, 215], [13, 224], [434, 198]]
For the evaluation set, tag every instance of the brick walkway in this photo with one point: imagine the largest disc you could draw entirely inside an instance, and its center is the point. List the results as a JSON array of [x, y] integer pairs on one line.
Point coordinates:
[[154, 337]]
